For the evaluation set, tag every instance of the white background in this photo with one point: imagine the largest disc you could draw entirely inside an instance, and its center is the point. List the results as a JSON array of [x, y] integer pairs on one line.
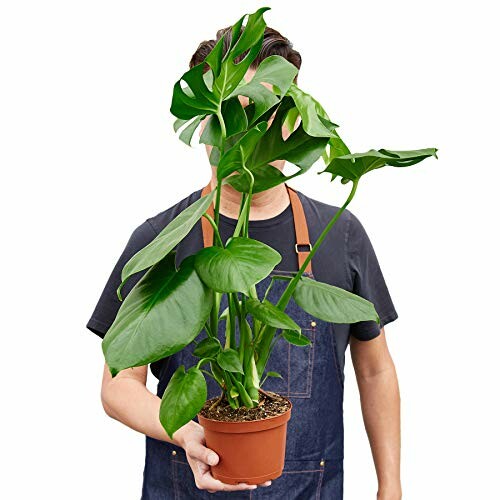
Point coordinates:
[[88, 153]]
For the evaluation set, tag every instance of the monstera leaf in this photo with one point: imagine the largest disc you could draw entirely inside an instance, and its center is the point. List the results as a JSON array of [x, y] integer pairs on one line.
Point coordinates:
[[275, 70], [162, 314], [214, 92], [300, 148], [352, 167], [237, 156]]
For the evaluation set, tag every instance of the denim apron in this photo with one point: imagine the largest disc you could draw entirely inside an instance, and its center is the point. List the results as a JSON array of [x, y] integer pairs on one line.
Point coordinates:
[[312, 380]]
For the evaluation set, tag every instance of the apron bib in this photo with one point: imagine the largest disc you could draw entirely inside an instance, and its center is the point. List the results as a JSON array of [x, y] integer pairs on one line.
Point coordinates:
[[312, 380]]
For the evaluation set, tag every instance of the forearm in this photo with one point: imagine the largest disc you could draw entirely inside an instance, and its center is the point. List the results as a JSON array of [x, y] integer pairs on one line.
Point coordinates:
[[128, 400], [380, 402]]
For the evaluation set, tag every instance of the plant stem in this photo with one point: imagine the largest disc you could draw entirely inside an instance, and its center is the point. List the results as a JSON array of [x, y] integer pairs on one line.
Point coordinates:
[[219, 182], [287, 294], [216, 229], [268, 332]]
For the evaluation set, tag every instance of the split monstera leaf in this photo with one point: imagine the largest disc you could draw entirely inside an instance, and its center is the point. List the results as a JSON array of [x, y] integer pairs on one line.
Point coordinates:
[[173, 305]]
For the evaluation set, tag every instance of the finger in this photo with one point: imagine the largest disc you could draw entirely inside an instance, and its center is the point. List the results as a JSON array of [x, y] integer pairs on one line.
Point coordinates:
[[267, 483], [200, 452], [206, 481]]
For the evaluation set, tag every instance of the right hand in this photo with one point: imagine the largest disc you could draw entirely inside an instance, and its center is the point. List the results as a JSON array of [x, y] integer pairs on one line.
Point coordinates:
[[200, 458]]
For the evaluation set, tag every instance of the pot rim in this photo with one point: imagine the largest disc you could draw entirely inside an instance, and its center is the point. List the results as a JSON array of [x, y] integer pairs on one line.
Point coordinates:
[[246, 425]]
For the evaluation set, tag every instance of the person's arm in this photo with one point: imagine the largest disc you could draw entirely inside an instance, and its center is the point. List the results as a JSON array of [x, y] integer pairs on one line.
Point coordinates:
[[380, 403], [127, 399]]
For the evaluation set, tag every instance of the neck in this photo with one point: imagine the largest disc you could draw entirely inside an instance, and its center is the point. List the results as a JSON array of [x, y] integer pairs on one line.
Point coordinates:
[[264, 205]]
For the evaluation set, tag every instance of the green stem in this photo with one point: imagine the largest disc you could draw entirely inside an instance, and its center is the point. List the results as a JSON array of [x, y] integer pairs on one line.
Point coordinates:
[[219, 182], [267, 333], [287, 294], [216, 229]]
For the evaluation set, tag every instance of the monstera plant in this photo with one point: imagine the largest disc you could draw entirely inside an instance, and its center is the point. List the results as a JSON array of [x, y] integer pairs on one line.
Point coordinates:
[[171, 307]]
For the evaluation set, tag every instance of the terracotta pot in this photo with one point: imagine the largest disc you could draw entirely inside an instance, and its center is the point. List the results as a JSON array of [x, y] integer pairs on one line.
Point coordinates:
[[249, 452]]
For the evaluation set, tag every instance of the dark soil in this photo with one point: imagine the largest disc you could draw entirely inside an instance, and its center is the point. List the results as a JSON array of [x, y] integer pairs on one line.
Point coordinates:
[[269, 406]]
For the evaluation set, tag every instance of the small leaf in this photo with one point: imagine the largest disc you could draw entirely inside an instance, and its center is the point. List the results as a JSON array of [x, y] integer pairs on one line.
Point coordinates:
[[332, 304], [269, 314], [183, 398], [207, 348], [296, 338], [273, 374], [229, 360]]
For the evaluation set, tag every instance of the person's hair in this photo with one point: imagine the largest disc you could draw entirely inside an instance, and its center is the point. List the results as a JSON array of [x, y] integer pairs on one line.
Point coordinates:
[[274, 43]]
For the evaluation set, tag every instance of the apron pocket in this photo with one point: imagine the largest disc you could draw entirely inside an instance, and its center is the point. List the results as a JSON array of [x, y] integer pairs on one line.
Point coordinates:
[[301, 479], [294, 363]]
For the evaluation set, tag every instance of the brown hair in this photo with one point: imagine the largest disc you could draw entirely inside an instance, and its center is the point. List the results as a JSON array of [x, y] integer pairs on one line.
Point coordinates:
[[274, 43]]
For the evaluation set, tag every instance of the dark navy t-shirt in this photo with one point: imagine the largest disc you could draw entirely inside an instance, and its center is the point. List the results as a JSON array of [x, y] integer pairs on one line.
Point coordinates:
[[345, 259]]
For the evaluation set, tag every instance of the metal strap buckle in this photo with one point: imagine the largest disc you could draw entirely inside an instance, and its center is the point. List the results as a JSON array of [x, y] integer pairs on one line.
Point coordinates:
[[302, 244]]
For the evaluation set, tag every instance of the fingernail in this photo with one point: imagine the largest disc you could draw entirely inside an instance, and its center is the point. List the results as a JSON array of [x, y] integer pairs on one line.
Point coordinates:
[[212, 459], [267, 483]]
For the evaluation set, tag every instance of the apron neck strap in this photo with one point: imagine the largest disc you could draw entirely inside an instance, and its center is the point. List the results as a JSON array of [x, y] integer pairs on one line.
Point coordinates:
[[299, 220]]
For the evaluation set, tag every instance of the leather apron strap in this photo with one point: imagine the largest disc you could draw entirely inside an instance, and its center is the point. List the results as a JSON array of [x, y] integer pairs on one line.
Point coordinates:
[[299, 220]]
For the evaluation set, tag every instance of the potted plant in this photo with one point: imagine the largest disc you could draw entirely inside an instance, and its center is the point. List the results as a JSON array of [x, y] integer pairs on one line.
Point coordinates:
[[171, 308]]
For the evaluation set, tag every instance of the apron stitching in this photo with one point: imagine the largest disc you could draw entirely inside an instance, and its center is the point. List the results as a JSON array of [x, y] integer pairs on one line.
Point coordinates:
[[301, 471], [176, 485], [320, 482], [335, 359]]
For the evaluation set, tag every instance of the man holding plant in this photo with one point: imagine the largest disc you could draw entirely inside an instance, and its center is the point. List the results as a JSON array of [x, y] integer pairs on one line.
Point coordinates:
[[305, 365]]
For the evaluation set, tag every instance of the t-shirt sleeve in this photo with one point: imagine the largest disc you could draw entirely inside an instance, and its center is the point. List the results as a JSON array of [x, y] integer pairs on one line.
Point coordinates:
[[367, 280], [108, 304]]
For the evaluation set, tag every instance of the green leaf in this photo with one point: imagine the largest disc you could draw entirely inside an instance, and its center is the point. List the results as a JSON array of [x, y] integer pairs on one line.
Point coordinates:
[[300, 148], [333, 304], [245, 397], [235, 157], [171, 235], [354, 166], [269, 314], [204, 94], [313, 115], [243, 263], [187, 134], [229, 360], [183, 398], [296, 338], [275, 70], [163, 313], [234, 116], [207, 348], [273, 374], [264, 177]]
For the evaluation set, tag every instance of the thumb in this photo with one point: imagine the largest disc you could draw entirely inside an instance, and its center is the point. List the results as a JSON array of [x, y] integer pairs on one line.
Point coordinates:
[[196, 450]]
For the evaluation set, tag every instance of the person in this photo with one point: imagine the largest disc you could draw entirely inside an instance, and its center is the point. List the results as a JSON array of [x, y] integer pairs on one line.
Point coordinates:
[[313, 376]]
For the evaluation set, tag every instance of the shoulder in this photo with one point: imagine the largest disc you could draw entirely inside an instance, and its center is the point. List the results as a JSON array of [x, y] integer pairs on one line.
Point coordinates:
[[159, 221]]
